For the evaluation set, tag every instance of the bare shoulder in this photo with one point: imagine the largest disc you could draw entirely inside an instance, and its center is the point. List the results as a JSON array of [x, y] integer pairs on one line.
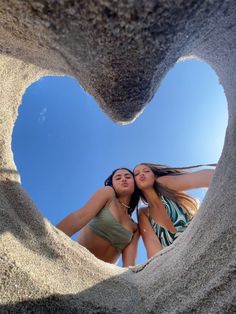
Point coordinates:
[[107, 191]]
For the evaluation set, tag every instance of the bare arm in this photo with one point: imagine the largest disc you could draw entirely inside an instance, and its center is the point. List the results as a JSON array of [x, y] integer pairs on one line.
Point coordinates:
[[150, 239], [130, 252], [198, 179], [78, 219]]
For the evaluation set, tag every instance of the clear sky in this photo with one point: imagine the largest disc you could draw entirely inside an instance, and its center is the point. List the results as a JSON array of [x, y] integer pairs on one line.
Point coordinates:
[[64, 146]]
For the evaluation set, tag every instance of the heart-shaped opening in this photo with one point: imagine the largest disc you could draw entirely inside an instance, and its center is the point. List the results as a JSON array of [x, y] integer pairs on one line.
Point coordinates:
[[65, 146]]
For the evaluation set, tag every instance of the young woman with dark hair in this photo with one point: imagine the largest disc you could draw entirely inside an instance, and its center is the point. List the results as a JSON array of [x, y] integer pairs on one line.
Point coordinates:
[[105, 224]]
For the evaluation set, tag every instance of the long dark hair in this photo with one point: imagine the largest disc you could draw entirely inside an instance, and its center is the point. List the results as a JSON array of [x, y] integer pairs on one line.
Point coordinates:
[[189, 203], [135, 196]]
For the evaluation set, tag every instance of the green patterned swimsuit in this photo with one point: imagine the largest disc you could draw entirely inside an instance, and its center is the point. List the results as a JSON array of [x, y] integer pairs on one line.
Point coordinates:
[[179, 218]]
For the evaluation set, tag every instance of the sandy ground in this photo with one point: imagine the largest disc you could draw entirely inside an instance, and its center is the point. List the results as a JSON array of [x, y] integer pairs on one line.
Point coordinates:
[[119, 52]]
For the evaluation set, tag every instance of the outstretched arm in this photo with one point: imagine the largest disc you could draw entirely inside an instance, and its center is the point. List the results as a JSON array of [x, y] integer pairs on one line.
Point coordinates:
[[130, 252], [182, 182], [78, 219]]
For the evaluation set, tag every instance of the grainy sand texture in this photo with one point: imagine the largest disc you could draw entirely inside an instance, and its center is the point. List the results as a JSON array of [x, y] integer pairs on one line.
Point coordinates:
[[119, 51]]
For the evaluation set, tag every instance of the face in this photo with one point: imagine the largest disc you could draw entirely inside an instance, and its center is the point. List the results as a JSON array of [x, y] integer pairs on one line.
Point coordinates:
[[123, 182], [144, 177]]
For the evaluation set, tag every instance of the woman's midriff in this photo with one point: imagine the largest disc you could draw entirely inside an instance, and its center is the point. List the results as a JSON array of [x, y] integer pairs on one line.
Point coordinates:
[[98, 246]]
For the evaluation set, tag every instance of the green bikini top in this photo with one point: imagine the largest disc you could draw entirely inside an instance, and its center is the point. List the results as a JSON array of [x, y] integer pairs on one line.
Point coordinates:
[[106, 226]]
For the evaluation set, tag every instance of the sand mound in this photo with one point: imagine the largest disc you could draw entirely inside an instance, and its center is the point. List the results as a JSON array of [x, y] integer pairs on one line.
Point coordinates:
[[119, 51]]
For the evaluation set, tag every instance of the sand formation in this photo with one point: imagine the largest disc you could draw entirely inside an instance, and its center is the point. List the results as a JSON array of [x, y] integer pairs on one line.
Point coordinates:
[[119, 51]]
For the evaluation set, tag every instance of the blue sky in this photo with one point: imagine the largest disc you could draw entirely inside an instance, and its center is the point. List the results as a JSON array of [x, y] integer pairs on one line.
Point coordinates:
[[64, 146]]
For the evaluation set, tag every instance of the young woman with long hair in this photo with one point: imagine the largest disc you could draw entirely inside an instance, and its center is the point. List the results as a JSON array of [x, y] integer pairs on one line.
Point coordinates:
[[105, 224], [169, 209]]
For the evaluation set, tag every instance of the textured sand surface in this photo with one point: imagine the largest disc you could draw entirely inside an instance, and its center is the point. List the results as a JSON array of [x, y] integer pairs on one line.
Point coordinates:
[[119, 51]]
